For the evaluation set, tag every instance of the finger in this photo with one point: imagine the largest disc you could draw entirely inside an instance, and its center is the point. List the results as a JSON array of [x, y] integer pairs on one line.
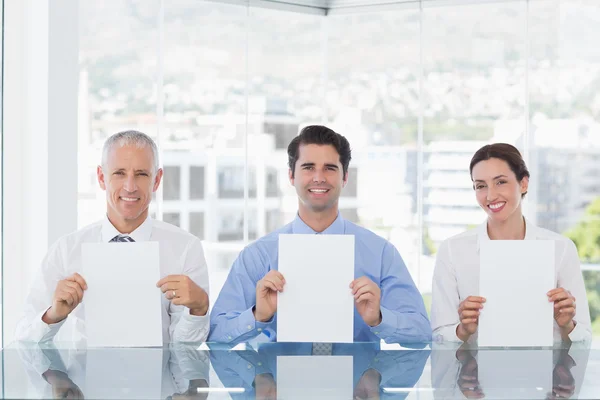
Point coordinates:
[[567, 310], [169, 278], [360, 283], [78, 289], [277, 274], [477, 299], [559, 296], [555, 291], [362, 290], [275, 282], [470, 305], [269, 285], [65, 296], [79, 279], [170, 286], [468, 321], [564, 303], [277, 279], [365, 297], [469, 314], [73, 292]]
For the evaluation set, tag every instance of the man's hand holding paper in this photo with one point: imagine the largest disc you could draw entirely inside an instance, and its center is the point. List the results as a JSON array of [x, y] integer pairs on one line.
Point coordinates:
[[266, 295], [67, 296], [367, 296], [181, 290]]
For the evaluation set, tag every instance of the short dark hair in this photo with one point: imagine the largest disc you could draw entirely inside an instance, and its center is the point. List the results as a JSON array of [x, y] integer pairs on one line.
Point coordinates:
[[505, 152], [319, 134]]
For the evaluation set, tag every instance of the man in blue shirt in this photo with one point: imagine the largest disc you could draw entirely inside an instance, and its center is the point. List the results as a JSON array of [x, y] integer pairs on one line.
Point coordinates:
[[388, 306]]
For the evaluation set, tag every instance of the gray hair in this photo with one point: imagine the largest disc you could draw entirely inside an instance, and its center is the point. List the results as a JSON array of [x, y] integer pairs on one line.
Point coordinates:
[[130, 138]]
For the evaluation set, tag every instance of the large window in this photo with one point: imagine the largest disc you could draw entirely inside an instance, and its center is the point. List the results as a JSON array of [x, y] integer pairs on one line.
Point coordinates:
[[224, 88]]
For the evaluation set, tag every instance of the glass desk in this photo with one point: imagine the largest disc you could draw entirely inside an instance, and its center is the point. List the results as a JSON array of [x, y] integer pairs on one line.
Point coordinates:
[[290, 371]]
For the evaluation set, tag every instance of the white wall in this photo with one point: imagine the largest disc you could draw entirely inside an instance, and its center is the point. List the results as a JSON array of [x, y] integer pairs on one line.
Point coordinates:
[[40, 139]]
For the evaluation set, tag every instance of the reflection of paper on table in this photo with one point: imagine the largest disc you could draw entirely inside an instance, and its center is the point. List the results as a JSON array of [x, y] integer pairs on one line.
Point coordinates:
[[122, 303], [316, 304], [124, 373], [515, 276], [314, 377], [515, 374]]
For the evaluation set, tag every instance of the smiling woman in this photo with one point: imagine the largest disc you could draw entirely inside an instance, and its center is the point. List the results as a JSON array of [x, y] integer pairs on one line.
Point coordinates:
[[500, 180]]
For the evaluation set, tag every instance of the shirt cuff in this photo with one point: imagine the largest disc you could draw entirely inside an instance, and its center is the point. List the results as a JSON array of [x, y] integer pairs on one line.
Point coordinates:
[[447, 334], [41, 331], [579, 333], [191, 322], [387, 326], [248, 323]]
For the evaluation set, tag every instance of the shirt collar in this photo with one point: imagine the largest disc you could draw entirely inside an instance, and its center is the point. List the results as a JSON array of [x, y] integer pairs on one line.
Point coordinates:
[[141, 234], [482, 234], [338, 227]]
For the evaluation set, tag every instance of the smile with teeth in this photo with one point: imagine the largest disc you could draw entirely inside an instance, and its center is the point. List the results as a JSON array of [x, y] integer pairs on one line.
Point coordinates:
[[496, 206], [129, 198], [318, 190]]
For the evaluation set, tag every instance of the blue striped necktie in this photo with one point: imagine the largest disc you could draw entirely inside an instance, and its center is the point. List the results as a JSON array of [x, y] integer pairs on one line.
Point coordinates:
[[121, 238]]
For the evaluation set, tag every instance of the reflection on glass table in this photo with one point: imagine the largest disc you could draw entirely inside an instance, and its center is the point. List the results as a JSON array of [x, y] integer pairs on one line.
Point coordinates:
[[525, 373], [295, 371]]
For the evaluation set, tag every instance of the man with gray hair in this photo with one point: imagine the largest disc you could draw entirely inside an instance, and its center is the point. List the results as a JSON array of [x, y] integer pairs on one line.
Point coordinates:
[[129, 174]]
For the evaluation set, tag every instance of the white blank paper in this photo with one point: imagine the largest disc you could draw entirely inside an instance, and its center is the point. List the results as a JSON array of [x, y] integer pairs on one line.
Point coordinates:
[[122, 303], [316, 304], [314, 377], [515, 276]]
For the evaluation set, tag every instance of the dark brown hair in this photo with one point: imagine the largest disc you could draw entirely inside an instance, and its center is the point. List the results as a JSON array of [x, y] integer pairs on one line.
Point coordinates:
[[318, 134], [505, 152]]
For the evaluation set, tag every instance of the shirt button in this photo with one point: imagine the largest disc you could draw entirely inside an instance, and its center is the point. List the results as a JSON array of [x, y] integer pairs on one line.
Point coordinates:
[[377, 333], [229, 337], [249, 327], [249, 366], [259, 364], [259, 329]]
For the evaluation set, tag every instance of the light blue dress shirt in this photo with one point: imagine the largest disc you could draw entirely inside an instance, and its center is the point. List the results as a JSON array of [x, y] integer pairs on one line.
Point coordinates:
[[404, 319]]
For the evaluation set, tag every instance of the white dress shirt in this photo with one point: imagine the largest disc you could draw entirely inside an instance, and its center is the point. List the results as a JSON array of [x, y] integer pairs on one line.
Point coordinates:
[[456, 277], [180, 253]]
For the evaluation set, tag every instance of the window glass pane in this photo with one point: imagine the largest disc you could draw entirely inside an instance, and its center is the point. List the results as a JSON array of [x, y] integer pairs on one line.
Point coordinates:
[[197, 224], [172, 182], [117, 85], [565, 134], [285, 69], [373, 99], [197, 182], [231, 181], [205, 124], [473, 88]]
